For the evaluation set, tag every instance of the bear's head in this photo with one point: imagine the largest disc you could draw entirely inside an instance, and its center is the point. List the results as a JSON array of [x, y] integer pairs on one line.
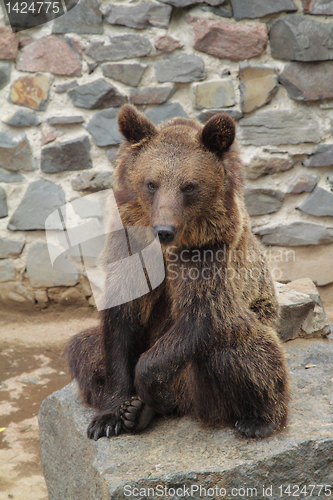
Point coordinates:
[[182, 179]]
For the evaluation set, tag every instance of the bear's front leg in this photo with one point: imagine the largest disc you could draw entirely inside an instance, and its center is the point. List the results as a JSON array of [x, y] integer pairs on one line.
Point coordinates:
[[120, 410]]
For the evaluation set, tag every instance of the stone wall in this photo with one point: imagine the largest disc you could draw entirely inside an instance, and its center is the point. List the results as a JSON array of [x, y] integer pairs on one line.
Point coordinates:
[[268, 63]]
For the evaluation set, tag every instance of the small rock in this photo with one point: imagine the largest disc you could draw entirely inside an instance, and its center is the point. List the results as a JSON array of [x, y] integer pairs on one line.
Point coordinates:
[[167, 43], [5, 70], [7, 271], [180, 68], [10, 176], [55, 292], [266, 166], [302, 312], [129, 73], [50, 54], [205, 115], [92, 181], [69, 155], [245, 9], [303, 183], [151, 95], [319, 203], [214, 94], [167, 111], [118, 47], [227, 40], [295, 234], [97, 94], [15, 152], [31, 91], [103, 126], [72, 297], [41, 273], [21, 118], [63, 87], [318, 7], [39, 201], [3, 203], [10, 248], [258, 84], [308, 82], [42, 298], [276, 127], [49, 134], [139, 16], [9, 42], [299, 38], [322, 156], [86, 18], [16, 292], [260, 201], [112, 154], [64, 120], [92, 67]]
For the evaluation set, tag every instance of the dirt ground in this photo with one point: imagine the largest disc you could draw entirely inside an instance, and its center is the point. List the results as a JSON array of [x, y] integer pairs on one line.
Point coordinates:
[[31, 368]]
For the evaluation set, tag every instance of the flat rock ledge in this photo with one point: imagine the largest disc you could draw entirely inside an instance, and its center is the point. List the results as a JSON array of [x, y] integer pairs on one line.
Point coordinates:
[[178, 453]]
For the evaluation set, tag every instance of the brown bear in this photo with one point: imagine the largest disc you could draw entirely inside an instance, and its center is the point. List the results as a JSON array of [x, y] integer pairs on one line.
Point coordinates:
[[203, 343]]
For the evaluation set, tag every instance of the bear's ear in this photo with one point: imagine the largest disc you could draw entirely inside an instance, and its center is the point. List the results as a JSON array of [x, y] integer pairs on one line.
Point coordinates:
[[218, 134], [134, 125]]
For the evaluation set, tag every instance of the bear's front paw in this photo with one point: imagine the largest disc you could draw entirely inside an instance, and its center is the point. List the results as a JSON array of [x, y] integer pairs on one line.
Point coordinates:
[[255, 428], [105, 424], [136, 415]]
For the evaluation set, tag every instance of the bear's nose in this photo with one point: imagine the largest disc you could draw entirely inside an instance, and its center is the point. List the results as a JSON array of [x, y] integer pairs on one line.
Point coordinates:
[[165, 233]]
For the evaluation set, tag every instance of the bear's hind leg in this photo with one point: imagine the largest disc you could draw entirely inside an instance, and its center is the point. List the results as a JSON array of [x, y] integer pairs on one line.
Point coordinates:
[[87, 365]]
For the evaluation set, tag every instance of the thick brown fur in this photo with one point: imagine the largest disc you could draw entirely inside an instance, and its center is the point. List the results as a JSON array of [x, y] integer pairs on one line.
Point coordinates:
[[204, 347]]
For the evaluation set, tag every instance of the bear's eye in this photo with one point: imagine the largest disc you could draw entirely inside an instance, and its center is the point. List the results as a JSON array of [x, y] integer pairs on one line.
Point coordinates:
[[151, 186], [189, 188]]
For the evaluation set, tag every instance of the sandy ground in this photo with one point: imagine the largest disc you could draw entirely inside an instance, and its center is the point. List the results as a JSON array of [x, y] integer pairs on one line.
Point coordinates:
[[31, 368]]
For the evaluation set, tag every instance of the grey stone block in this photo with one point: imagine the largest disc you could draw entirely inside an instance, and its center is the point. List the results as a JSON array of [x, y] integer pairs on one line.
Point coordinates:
[[15, 152], [21, 118], [63, 87], [128, 73], [274, 127], [10, 176], [92, 181], [260, 201], [205, 115], [118, 47], [303, 183], [10, 248], [180, 68], [322, 156], [68, 155], [97, 94], [319, 202], [151, 95], [86, 17], [5, 71], [139, 16], [163, 112], [299, 38], [177, 452], [295, 234], [308, 82], [40, 200], [262, 165], [41, 273], [65, 120], [318, 7], [3, 203], [103, 126], [7, 271], [245, 9]]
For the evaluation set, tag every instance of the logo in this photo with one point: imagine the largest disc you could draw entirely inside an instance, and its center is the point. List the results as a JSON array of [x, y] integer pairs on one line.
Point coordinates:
[[121, 263]]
